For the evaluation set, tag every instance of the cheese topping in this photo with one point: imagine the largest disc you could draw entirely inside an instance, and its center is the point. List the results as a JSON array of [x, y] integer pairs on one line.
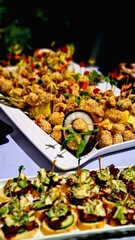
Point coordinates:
[[94, 206]]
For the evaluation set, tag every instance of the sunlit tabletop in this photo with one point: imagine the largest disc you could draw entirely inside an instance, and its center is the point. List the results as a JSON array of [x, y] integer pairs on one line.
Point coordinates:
[[17, 150]]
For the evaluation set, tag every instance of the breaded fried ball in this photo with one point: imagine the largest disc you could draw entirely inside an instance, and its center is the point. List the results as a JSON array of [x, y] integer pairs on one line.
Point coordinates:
[[80, 125], [128, 135], [118, 128], [105, 138]]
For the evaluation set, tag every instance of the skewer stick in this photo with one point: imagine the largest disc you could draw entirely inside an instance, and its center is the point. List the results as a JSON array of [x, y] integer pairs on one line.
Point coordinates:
[[99, 161], [79, 170], [53, 165], [9, 188]]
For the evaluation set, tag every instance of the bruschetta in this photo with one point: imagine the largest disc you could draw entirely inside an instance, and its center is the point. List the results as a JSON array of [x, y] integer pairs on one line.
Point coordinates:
[[60, 218], [16, 186], [91, 214], [18, 219]]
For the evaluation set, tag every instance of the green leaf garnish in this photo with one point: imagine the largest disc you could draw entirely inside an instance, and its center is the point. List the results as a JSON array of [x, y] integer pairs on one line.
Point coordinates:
[[77, 100], [76, 76], [40, 81], [84, 93], [81, 148], [72, 136], [21, 168]]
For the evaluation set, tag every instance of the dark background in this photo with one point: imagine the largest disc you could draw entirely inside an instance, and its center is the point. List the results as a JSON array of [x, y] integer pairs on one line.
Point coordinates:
[[106, 27]]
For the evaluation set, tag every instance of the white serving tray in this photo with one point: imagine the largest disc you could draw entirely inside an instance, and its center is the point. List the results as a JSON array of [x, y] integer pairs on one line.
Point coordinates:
[[100, 233], [49, 147]]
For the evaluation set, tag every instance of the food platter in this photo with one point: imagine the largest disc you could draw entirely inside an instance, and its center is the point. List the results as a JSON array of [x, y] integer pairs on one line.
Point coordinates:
[[47, 145], [50, 148], [118, 231]]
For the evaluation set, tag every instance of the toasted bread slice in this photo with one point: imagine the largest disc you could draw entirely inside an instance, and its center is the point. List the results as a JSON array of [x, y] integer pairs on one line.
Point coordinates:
[[91, 225], [46, 230]]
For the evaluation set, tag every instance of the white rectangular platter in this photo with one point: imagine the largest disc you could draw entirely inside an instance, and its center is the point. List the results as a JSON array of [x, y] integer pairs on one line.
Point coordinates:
[[49, 147], [100, 233]]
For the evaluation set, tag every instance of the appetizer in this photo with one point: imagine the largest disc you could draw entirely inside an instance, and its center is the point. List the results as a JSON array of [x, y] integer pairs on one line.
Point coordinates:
[[79, 132], [59, 218], [16, 186], [55, 203], [123, 214], [18, 219], [45, 202], [79, 176], [46, 180], [92, 214]]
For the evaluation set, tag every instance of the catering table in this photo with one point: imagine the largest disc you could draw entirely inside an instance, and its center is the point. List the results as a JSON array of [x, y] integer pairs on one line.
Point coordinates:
[[17, 150]]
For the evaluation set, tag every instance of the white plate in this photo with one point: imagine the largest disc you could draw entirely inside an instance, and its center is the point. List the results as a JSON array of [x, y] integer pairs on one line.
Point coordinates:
[[100, 233], [49, 147]]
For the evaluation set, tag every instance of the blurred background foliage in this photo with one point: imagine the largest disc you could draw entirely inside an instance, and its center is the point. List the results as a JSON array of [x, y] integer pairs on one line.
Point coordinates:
[[13, 37], [46, 24], [23, 28], [102, 30]]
